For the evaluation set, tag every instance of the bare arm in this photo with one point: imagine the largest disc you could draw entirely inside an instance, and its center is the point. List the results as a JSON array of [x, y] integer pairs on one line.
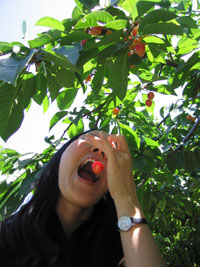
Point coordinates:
[[138, 243], [140, 249]]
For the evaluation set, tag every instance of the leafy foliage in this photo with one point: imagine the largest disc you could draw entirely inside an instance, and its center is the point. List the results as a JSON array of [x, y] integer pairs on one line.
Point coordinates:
[[98, 53]]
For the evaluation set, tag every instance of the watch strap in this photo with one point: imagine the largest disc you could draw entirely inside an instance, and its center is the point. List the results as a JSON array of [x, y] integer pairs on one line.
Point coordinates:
[[138, 220]]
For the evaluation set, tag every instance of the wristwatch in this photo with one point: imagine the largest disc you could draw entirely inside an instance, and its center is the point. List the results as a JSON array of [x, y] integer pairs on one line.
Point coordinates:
[[125, 222]]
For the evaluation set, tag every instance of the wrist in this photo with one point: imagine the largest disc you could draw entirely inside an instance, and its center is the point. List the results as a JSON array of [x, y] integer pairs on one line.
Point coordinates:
[[127, 206]]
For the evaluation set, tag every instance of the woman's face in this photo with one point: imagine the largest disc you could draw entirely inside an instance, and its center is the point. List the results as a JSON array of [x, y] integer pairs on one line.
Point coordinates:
[[76, 182]]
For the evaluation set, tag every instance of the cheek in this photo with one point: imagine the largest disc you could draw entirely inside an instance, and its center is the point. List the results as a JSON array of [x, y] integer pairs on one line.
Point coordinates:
[[63, 174]]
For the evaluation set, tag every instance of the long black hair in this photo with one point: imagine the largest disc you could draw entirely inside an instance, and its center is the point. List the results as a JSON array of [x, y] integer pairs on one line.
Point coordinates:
[[33, 236]]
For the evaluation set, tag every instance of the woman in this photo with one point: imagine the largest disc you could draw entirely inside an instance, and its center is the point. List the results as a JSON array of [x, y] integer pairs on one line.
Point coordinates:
[[72, 217]]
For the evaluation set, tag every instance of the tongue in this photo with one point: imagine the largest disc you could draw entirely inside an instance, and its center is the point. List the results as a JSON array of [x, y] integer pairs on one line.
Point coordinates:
[[86, 175]]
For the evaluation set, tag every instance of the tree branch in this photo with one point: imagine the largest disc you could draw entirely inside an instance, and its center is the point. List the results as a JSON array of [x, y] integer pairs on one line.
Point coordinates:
[[164, 119], [186, 138], [171, 63]]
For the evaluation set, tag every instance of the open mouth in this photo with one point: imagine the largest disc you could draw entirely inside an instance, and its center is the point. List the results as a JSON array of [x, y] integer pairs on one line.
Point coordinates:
[[85, 171]]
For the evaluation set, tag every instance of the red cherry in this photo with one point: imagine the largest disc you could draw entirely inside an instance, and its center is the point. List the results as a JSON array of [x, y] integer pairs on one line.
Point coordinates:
[[115, 111], [83, 42], [97, 167], [150, 95], [140, 49], [88, 78], [108, 31], [193, 119], [130, 53], [135, 30], [188, 117], [95, 31], [148, 102]]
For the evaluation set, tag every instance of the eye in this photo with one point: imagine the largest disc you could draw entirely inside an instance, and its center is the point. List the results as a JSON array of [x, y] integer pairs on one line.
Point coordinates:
[[95, 150]]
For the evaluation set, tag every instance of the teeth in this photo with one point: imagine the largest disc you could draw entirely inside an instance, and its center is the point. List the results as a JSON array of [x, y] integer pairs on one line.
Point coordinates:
[[86, 161]]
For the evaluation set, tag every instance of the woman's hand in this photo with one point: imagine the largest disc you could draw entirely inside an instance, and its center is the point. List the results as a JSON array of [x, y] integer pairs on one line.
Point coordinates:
[[119, 164]]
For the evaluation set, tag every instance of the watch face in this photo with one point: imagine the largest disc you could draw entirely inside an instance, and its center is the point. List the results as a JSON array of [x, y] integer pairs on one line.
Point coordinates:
[[124, 223]]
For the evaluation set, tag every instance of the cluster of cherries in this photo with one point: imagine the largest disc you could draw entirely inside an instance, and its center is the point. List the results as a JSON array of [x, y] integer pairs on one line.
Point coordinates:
[[191, 118], [150, 96], [136, 45]]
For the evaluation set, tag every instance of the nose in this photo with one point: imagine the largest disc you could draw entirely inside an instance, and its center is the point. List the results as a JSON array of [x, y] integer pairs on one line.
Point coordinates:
[[98, 151]]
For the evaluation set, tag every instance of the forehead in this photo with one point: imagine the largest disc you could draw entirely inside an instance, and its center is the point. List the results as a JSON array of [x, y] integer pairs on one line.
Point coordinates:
[[96, 133]]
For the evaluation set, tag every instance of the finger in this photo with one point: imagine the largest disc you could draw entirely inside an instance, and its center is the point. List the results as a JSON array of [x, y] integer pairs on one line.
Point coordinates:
[[120, 140]]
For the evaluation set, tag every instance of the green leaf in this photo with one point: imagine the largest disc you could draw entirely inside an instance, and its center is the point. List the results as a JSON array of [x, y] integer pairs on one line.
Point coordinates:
[[162, 28], [194, 186], [162, 204], [40, 41], [97, 81], [28, 184], [75, 36], [164, 177], [3, 188], [118, 80], [12, 65], [24, 27], [186, 45], [71, 52], [144, 6], [106, 53], [11, 114], [41, 88], [144, 163], [86, 56], [110, 38], [64, 78], [76, 129], [45, 104], [128, 5], [60, 60], [53, 84], [27, 90], [80, 80], [76, 13], [94, 19], [51, 23], [11, 199], [154, 40], [150, 142], [89, 4], [56, 118], [158, 15], [117, 25], [10, 152], [188, 160], [5, 48], [66, 98], [132, 138], [187, 22]]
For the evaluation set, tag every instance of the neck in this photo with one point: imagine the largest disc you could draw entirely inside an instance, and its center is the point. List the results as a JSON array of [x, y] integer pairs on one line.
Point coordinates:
[[71, 216]]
